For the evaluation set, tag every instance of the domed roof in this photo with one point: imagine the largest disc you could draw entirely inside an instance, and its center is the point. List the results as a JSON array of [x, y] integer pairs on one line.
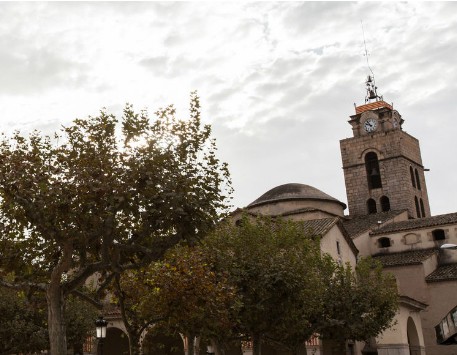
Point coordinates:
[[288, 192]]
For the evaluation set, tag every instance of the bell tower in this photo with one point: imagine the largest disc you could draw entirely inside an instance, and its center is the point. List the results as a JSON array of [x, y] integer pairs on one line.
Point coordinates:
[[382, 164]]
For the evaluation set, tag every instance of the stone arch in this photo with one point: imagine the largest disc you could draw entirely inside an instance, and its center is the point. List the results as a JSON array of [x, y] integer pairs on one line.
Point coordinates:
[[379, 153], [116, 342], [371, 206], [373, 170], [385, 203], [413, 337]]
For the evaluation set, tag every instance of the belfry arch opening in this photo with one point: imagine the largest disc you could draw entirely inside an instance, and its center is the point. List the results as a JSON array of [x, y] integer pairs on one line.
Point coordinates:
[[418, 182], [421, 203], [413, 179], [385, 203], [416, 202], [371, 206], [373, 172]]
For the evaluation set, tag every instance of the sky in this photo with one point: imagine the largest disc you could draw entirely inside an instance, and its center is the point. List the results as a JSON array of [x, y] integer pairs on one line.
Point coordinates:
[[277, 80]]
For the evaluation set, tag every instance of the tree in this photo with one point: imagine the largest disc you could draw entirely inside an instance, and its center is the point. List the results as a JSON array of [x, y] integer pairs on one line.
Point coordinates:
[[24, 317], [289, 290], [360, 303], [101, 200], [180, 294], [20, 320], [277, 270], [79, 320]]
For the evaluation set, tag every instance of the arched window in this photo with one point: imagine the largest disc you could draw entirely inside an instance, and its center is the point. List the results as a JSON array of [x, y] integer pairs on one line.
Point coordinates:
[[418, 183], [371, 206], [385, 203], [413, 180], [438, 234], [373, 172], [422, 207], [418, 212], [384, 242]]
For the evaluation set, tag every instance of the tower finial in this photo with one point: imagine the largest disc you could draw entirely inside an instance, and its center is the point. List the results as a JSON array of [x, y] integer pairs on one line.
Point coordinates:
[[370, 83]]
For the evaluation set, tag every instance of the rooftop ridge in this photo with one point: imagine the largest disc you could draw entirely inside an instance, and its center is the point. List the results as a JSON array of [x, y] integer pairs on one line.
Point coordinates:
[[372, 106]]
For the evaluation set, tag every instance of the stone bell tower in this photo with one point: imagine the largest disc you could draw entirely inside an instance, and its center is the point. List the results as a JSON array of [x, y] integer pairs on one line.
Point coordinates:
[[382, 164]]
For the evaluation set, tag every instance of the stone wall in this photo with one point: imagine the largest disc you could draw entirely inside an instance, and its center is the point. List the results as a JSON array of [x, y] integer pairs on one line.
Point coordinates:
[[397, 151]]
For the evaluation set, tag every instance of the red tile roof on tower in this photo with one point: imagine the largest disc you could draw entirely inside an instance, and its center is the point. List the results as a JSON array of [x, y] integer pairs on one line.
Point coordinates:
[[372, 106]]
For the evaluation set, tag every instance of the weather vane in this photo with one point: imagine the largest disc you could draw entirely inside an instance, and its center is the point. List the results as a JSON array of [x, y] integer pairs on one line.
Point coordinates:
[[370, 83]]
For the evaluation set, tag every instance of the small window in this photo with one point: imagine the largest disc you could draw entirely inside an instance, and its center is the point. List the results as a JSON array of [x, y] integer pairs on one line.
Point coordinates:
[[338, 249], [416, 202], [413, 180], [385, 203], [438, 234], [418, 183], [422, 207], [373, 172], [371, 206], [384, 242]]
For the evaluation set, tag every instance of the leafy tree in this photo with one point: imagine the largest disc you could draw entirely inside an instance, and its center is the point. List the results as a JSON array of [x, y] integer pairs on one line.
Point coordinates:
[[127, 292], [181, 294], [102, 200], [359, 303], [79, 318], [24, 317], [290, 290], [277, 270], [20, 319]]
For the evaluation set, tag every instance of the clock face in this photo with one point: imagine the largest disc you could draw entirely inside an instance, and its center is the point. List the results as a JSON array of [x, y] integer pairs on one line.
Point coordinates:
[[370, 125]]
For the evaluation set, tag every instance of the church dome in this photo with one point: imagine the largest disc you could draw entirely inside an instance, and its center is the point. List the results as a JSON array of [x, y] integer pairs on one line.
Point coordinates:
[[293, 191]]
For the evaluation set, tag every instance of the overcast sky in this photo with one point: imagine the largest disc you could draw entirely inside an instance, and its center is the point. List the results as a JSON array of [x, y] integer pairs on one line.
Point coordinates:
[[277, 80]]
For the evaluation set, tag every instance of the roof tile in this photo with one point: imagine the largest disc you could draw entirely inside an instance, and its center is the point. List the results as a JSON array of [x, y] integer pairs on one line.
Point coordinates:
[[413, 257], [356, 225], [450, 218], [372, 106], [443, 273]]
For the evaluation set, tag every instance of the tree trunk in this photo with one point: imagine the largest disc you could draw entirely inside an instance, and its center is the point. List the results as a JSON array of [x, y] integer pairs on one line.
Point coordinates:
[[191, 345], [134, 343], [256, 339], [196, 345], [56, 320]]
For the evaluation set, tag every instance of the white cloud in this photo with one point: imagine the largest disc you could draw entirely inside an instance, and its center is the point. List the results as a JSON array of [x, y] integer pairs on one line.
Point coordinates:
[[277, 79]]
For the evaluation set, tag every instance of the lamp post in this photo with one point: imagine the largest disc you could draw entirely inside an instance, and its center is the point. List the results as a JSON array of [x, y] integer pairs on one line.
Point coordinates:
[[100, 328]]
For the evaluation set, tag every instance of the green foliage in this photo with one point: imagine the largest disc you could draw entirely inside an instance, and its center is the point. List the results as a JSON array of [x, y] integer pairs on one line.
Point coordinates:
[[79, 318], [266, 279], [277, 270], [188, 295], [180, 294], [103, 199], [289, 290], [21, 319], [360, 303], [91, 194]]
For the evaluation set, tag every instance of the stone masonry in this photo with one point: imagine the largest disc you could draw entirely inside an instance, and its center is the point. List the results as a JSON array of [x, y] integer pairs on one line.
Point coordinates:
[[397, 151]]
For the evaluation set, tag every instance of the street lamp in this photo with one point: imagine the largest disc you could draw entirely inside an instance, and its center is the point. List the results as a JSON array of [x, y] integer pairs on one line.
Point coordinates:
[[100, 328], [449, 246]]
